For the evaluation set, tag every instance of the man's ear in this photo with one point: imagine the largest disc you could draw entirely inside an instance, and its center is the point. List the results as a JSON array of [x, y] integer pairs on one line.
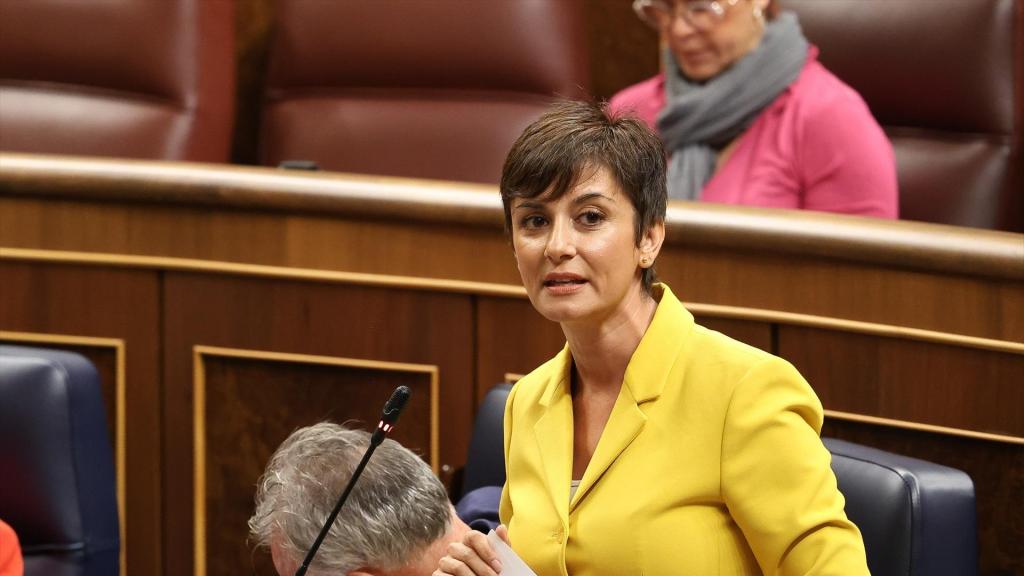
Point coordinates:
[[283, 563]]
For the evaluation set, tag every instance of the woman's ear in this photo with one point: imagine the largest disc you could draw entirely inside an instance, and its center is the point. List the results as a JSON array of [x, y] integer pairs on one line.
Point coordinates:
[[650, 243]]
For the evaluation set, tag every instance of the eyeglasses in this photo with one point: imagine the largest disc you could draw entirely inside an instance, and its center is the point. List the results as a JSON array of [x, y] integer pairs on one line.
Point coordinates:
[[701, 15]]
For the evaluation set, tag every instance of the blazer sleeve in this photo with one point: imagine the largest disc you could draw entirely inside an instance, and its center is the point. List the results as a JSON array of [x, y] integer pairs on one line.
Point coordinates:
[[777, 481], [505, 506]]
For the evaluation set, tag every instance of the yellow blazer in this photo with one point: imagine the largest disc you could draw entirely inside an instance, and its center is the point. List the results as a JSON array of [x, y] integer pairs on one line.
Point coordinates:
[[710, 463]]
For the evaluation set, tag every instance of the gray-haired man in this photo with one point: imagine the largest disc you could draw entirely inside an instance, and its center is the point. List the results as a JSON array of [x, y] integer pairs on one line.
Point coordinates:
[[396, 522]]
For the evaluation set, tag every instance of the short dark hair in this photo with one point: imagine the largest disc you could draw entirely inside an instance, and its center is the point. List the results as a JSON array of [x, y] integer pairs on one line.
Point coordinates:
[[553, 152]]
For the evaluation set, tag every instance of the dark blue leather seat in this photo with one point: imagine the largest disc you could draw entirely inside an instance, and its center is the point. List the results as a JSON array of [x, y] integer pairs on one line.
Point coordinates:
[[58, 484], [485, 463], [917, 518]]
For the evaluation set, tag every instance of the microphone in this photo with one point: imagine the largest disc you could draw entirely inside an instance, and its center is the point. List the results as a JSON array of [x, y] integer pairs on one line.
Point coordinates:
[[388, 417]]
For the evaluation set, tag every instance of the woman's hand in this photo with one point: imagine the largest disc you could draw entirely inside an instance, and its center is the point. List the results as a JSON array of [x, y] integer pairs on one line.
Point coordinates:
[[473, 556]]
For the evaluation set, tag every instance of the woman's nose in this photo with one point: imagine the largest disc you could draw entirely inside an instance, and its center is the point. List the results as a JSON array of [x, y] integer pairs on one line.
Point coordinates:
[[680, 27], [561, 242]]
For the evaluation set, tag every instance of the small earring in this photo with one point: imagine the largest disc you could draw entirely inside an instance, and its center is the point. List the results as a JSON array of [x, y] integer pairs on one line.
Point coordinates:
[[759, 15], [645, 261]]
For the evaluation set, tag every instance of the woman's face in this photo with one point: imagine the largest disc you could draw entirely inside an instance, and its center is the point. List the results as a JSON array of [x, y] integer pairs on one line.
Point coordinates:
[[577, 254], [703, 54]]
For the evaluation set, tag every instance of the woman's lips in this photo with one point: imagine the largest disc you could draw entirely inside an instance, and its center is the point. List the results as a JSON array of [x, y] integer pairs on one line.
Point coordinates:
[[564, 289], [695, 56], [560, 285]]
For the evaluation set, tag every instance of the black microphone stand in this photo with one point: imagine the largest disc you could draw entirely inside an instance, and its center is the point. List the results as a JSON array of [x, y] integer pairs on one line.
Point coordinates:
[[391, 411], [337, 508]]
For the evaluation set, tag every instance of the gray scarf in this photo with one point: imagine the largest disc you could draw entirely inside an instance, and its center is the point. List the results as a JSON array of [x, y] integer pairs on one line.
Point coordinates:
[[701, 119]]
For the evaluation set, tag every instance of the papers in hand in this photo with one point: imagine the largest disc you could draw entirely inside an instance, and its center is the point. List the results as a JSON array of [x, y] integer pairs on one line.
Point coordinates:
[[511, 563]]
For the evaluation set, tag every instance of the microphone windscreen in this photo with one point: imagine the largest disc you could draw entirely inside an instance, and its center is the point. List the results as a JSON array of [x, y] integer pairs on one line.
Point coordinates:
[[395, 404]]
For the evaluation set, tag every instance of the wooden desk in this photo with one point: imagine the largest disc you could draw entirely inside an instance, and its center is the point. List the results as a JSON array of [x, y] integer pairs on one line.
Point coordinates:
[[227, 305]]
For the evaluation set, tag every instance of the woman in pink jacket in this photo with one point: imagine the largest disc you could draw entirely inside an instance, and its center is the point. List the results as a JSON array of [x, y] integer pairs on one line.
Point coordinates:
[[11, 563], [751, 117]]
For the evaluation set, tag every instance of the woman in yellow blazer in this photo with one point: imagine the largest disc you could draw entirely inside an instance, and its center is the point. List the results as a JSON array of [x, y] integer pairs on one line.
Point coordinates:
[[649, 445]]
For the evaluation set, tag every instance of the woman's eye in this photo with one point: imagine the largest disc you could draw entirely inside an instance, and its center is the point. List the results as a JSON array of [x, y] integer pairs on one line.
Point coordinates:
[[533, 221], [591, 218]]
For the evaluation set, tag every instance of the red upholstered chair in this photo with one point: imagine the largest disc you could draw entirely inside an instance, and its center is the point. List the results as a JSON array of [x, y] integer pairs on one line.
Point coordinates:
[[436, 89], [946, 80], [132, 78]]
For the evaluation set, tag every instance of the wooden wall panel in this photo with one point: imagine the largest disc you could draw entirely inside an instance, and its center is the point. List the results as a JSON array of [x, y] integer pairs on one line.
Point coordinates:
[[126, 229], [56, 301], [816, 286], [757, 334], [512, 338], [366, 323], [252, 405], [896, 273], [930, 383], [996, 468], [319, 243]]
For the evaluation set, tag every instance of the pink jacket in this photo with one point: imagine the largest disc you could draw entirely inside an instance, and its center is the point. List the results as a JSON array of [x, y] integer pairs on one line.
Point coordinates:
[[816, 147]]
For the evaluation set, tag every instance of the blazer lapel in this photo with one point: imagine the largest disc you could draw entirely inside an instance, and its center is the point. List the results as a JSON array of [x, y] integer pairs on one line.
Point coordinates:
[[624, 425], [553, 432], [646, 376]]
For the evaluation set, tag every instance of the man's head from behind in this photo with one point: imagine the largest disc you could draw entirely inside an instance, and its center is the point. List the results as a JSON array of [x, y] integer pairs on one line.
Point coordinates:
[[397, 520]]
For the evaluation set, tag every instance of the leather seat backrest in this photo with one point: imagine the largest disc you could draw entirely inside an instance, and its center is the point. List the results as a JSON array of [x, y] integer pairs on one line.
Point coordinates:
[[134, 79], [944, 78], [485, 463], [917, 517], [435, 89], [58, 484]]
